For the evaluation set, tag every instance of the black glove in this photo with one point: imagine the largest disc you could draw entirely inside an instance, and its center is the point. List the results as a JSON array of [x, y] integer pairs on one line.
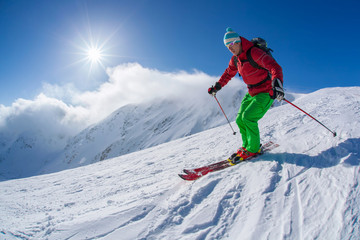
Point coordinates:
[[277, 91], [214, 89]]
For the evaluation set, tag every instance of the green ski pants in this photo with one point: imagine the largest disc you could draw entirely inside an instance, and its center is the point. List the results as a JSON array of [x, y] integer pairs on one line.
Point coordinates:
[[252, 109]]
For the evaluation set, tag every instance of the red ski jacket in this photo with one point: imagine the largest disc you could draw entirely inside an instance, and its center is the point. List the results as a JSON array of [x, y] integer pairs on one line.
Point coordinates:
[[250, 74]]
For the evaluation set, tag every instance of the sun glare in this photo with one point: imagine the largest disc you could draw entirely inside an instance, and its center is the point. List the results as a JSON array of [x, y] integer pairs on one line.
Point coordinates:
[[94, 54]]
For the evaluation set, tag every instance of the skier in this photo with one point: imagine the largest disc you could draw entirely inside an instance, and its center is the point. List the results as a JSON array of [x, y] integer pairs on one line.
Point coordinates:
[[264, 85]]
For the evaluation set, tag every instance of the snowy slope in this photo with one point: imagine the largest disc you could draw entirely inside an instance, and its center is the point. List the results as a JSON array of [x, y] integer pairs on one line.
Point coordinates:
[[308, 188]]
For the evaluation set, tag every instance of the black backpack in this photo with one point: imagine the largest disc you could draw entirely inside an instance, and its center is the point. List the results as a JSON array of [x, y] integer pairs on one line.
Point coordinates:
[[262, 44]]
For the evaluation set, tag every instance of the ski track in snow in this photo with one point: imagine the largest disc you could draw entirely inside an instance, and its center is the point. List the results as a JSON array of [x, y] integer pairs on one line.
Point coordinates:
[[308, 188]]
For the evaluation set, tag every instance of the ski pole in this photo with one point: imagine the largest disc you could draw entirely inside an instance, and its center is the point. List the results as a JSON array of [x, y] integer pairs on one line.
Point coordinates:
[[334, 133], [224, 113]]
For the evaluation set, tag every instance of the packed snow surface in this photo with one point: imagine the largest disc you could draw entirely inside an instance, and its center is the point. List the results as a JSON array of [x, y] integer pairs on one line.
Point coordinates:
[[307, 188]]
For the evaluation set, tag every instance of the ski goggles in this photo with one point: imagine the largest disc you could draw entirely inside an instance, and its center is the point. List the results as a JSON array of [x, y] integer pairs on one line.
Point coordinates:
[[232, 43]]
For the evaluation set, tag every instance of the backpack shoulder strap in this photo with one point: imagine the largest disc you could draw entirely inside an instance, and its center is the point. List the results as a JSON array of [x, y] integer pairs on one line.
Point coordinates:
[[235, 60], [255, 65], [251, 60], [236, 63]]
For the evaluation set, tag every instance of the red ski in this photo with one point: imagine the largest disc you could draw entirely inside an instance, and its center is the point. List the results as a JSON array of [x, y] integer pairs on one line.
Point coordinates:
[[196, 173]]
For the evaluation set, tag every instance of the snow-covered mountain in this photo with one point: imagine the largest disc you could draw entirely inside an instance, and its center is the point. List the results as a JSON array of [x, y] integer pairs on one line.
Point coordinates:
[[136, 127], [308, 188], [130, 128]]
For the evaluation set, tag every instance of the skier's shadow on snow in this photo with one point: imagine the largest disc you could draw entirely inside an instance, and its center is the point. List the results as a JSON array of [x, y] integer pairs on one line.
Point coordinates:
[[347, 152]]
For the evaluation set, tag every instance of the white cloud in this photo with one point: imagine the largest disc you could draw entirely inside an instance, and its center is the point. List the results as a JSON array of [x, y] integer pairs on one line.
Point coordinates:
[[132, 83], [43, 114], [64, 109]]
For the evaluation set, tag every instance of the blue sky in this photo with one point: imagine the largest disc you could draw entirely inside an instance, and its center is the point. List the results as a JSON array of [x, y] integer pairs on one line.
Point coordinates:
[[44, 42]]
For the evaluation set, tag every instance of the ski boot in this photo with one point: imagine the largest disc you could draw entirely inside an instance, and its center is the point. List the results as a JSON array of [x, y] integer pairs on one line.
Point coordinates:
[[234, 158], [241, 155]]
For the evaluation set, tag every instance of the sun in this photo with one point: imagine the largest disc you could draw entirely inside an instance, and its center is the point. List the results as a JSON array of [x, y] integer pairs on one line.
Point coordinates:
[[93, 51], [94, 55], [91, 55]]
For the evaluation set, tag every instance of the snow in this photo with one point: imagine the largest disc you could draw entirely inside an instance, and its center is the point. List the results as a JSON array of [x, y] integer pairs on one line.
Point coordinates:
[[307, 188]]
